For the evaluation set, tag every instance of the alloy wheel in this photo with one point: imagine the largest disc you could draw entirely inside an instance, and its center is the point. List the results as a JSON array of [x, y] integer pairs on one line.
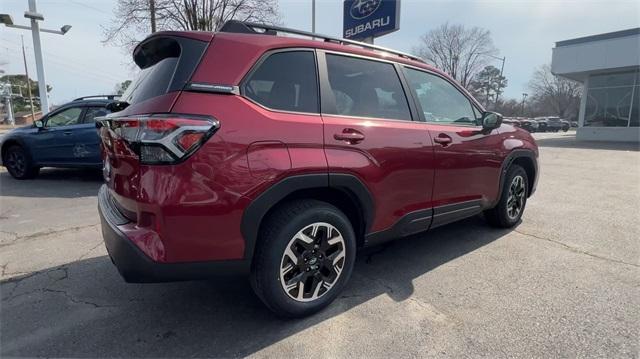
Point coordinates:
[[17, 162], [516, 199], [312, 262]]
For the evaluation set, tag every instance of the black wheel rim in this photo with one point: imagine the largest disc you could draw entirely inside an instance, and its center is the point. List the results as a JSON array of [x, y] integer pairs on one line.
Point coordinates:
[[516, 199], [312, 262], [17, 163]]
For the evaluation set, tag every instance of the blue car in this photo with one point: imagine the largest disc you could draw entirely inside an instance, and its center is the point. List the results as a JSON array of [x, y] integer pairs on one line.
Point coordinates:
[[66, 137]]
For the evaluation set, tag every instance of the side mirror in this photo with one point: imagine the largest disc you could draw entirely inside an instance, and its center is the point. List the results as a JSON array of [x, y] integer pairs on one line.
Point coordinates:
[[39, 124], [491, 120]]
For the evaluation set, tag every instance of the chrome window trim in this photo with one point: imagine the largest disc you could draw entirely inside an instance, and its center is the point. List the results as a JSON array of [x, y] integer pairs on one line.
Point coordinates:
[[266, 54], [372, 118]]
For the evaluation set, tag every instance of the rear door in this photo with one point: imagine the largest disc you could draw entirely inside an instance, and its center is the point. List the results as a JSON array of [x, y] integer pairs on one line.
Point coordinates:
[[370, 132], [467, 158], [86, 147]]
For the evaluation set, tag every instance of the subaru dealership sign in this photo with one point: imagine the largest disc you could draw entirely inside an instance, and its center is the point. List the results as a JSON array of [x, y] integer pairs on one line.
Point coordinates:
[[370, 18]]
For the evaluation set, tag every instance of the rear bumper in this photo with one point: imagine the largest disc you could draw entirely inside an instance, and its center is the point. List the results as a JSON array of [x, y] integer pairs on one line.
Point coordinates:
[[136, 267]]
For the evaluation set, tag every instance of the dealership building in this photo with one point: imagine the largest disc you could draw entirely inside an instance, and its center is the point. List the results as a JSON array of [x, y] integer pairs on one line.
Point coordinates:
[[608, 66]]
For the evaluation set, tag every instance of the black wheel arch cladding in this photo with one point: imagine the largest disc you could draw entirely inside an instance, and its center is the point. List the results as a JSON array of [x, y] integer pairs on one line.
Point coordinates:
[[349, 184]]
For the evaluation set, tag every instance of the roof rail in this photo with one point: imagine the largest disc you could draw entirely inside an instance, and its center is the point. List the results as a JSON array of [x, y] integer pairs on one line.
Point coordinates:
[[245, 27], [108, 97]]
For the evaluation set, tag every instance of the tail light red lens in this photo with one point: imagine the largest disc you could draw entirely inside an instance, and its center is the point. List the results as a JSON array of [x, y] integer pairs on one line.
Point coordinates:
[[189, 139], [162, 139]]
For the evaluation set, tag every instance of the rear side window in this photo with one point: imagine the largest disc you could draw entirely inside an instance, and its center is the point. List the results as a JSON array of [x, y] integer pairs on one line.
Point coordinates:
[[366, 88], [93, 112], [285, 81], [166, 65], [440, 101]]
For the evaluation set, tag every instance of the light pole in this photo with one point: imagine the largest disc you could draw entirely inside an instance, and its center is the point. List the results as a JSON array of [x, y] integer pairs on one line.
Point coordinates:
[[524, 97], [33, 14], [313, 16], [26, 73]]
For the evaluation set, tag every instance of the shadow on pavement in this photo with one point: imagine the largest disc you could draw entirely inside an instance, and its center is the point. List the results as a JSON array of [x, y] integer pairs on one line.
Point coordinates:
[[569, 141], [84, 309], [53, 183]]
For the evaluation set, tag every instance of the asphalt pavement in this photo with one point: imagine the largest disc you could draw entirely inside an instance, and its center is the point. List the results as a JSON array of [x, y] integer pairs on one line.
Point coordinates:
[[564, 283]]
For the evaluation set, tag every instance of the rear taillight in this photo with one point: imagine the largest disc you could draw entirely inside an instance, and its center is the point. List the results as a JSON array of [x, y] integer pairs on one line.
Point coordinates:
[[163, 138]]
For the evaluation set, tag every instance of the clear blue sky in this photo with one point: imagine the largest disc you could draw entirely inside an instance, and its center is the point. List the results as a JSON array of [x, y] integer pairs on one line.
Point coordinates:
[[524, 31]]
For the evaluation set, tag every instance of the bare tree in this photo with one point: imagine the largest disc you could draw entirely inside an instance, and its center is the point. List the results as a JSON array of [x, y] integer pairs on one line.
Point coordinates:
[[458, 51], [553, 94], [134, 19]]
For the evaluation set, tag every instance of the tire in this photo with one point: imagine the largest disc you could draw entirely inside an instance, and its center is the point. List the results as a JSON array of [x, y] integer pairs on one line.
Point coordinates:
[[302, 286], [19, 163], [513, 199]]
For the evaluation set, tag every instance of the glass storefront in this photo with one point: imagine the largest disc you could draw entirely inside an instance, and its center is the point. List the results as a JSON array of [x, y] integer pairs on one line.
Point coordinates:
[[613, 100]]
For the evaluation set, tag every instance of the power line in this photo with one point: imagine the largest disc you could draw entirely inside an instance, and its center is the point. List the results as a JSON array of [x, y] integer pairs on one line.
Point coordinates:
[[79, 72], [87, 6], [66, 2], [80, 67], [70, 60]]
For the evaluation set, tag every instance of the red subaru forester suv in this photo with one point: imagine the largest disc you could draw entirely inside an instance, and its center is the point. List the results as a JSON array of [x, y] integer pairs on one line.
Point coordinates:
[[245, 151]]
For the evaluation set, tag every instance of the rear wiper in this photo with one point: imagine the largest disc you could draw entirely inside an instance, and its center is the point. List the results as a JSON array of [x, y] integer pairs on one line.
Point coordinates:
[[117, 106]]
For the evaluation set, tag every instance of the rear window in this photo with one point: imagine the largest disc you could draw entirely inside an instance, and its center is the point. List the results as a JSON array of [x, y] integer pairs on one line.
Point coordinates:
[[151, 82], [166, 64]]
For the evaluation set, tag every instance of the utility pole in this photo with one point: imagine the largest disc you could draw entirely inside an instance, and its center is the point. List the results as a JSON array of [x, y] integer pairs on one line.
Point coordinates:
[[503, 59], [152, 10], [26, 73], [33, 14], [524, 97]]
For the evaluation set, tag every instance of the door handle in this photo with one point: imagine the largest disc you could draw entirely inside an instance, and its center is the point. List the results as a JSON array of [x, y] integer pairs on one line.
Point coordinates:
[[349, 135], [443, 139], [67, 133]]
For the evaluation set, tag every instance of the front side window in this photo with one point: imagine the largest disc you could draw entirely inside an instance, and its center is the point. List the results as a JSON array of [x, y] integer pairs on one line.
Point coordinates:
[[285, 81], [366, 88], [441, 102], [70, 116]]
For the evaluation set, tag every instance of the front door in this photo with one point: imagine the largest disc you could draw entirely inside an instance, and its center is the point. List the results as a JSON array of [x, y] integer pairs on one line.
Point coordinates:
[[54, 142], [467, 158], [369, 132]]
